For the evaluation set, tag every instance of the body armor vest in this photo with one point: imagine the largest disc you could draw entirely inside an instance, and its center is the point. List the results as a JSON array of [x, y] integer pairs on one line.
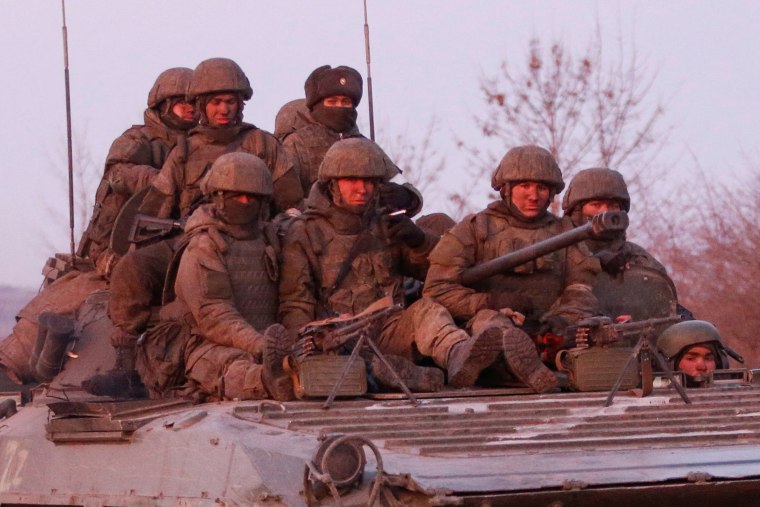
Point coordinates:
[[253, 289], [373, 274], [541, 281]]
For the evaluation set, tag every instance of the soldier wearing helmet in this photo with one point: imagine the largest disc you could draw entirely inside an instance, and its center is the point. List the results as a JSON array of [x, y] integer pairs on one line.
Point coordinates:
[[136, 157], [219, 89], [345, 252], [631, 281], [226, 289], [695, 348], [527, 179]]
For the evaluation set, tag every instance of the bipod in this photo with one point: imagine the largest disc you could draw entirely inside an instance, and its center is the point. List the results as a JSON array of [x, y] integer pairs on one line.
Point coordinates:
[[643, 353], [363, 340]]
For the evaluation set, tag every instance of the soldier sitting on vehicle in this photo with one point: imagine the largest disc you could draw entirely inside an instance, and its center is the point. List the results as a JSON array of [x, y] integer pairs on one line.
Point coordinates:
[[133, 160], [695, 348], [345, 252], [631, 281], [226, 293], [527, 178]]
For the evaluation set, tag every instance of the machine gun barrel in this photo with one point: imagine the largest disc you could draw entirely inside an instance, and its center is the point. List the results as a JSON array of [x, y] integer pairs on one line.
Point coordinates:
[[601, 226]]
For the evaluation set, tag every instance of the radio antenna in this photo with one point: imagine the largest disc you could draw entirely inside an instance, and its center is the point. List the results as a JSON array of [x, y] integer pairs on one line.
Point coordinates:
[[369, 75], [68, 127]]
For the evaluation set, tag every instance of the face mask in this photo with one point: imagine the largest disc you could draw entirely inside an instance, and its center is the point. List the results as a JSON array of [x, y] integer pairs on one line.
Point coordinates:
[[237, 213], [339, 119]]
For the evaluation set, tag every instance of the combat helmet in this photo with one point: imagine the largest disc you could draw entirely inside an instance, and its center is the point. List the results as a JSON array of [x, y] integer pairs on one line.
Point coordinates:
[[672, 342], [326, 81], [356, 157], [238, 172], [596, 184], [218, 75], [528, 163], [170, 83]]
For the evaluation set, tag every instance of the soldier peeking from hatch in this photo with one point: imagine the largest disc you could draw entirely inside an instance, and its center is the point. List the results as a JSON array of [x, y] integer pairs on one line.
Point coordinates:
[[696, 349]]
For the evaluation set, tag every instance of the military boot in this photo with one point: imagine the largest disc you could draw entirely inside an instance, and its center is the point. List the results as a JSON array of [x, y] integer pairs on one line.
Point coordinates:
[[522, 358], [471, 356], [417, 378], [279, 345], [122, 381], [55, 334]]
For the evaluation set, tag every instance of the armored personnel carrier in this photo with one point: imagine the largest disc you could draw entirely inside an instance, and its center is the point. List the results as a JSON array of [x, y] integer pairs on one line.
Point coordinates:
[[60, 445]]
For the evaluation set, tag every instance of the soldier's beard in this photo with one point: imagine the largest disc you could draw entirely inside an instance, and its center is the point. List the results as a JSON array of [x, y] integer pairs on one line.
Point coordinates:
[[339, 119]]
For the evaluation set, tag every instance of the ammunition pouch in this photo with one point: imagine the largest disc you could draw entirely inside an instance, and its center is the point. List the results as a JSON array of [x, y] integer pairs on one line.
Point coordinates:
[[597, 368]]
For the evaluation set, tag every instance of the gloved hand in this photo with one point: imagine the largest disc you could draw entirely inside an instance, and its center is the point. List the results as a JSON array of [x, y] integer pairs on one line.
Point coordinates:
[[613, 263], [401, 228], [396, 197]]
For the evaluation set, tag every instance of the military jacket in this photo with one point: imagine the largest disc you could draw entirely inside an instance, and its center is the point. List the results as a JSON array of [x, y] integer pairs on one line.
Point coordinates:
[[308, 144], [227, 279], [317, 246], [133, 161], [491, 233], [178, 183]]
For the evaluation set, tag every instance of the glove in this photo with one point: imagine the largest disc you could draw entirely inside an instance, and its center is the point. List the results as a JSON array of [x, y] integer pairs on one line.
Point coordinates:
[[401, 228], [613, 263], [396, 197]]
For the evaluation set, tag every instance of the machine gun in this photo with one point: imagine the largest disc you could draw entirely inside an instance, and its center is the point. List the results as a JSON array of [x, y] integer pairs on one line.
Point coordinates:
[[601, 226], [319, 366], [601, 331]]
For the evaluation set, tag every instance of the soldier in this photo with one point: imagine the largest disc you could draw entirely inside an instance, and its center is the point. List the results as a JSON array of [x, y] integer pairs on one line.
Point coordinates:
[[332, 96], [631, 281], [135, 158], [527, 179], [344, 253], [226, 288], [219, 89], [695, 348]]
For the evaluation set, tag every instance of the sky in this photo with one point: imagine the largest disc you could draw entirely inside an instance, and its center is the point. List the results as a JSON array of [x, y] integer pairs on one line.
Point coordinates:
[[427, 59]]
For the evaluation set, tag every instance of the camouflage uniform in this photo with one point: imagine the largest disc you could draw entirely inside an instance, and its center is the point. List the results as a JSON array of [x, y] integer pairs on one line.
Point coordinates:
[[630, 280], [175, 190], [134, 160], [226, 290], [530, 289], [308, 139], [319, 243]]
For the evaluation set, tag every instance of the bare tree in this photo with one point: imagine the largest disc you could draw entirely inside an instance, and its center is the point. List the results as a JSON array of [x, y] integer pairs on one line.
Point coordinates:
[[712, 248], [585, 111]]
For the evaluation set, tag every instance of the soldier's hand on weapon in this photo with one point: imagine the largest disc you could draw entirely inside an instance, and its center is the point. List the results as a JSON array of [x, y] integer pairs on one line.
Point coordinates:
[[399, 227]]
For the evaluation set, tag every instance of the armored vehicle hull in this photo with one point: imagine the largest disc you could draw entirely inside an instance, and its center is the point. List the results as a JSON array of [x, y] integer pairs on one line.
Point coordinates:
[[459, 447]]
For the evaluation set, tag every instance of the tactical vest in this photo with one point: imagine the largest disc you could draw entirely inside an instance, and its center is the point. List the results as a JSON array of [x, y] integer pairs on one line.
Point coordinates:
[[373, 273], [541, 281], [312, 142], [251, 265]]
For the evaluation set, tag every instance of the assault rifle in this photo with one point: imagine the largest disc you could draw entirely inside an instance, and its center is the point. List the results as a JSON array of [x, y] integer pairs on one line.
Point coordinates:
[[147, 228], [601, 226]]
